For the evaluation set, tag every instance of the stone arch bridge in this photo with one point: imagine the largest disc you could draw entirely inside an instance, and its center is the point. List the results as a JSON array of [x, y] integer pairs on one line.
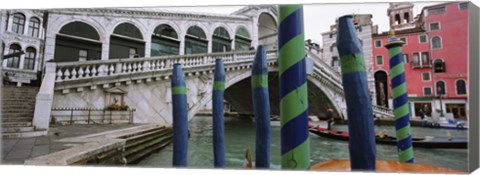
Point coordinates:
[[144, 84]]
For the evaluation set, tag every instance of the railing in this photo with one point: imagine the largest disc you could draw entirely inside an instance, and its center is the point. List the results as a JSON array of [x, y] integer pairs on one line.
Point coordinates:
[[103, 68], [63, 116]]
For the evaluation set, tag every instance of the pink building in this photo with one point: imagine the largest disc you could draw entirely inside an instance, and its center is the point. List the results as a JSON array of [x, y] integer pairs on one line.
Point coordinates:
[[435, 57]]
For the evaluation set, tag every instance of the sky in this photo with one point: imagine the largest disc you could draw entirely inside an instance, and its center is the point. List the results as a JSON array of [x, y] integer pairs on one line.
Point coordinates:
[[318, 17]]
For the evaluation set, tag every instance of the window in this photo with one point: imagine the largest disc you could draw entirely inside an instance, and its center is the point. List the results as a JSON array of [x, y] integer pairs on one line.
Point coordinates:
[[440, 88], [397, 19], [335, 62], [333, 47], [404, 40], [331, 35], [438, 66], [436, 42], [425, 59], [463, 5], [434, 26], [18, 23], [437, 10], [29, 61], [427, 91], [359, 28], [379, 60], [34, 27], [426, 76], [416, 60], [378, 43], [405, 58], [461, 87], [82, 55], [406, 17], [14, 61], [423, 38]]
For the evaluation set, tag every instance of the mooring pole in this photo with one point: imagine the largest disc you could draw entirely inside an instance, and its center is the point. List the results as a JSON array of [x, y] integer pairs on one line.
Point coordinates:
[[401, 109], [261, 108], [218, 114], [295, 143], [180, 118], [357, 97]]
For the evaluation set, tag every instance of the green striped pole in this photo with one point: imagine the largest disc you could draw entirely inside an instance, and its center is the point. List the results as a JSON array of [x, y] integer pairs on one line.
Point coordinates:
[[295, 143], [180, 117], [400, 101]]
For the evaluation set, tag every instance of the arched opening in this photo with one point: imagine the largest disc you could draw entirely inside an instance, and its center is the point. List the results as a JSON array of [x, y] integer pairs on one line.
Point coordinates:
[[239, 96], [267, 31], [77, 41], [14, 61], [126, 42], [164, 41], [242, 39], [397, 19], [436, 42], [438, 66], [34, 27], [30, 56], [195, 41], [381, 88], [440, 86], [221, 41], [461, 87], [18, 23]]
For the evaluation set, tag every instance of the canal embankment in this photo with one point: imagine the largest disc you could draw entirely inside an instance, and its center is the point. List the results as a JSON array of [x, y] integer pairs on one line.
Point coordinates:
[[113, 145]]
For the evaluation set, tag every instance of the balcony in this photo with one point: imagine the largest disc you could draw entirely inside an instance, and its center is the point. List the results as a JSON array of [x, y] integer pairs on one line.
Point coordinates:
[[421, 65]]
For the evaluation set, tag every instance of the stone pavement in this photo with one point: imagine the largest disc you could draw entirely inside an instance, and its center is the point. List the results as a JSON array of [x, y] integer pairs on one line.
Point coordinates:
[[16, 150]]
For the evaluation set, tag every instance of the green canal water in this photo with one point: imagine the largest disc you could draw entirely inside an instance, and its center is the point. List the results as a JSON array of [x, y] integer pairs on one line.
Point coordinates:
[[241, 132]]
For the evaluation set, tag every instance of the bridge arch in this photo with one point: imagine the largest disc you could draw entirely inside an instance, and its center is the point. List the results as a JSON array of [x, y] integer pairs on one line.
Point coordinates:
[[318, 94]]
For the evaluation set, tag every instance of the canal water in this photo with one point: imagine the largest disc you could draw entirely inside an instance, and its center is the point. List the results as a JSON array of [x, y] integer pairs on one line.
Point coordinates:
[[241, 132]]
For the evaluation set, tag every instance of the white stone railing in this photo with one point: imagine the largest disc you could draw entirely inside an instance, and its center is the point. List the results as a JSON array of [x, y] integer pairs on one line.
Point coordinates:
[[72, 71]]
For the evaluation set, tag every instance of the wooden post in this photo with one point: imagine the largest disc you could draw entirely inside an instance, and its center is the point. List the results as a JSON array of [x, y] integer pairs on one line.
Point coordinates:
[[88, 120], [71, 117]]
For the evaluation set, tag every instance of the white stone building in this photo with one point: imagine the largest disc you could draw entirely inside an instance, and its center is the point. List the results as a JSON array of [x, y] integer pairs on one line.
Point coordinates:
[[22, 31], [364, 29]]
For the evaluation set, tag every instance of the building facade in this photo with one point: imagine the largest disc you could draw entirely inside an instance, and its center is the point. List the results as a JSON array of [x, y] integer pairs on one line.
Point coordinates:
[[364, 30], [22, 31], [435, 58]]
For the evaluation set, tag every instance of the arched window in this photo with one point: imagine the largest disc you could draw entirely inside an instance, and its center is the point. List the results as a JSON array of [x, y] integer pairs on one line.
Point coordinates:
[[440, 85], [406, 17], [461, 87], [18, 23], [164, 41], [29, 61], [242, 39], [34, 27], [397, 19], [436, 42], [221, 41], [14, 62], [195, 41], [126, 42], [77, 41]]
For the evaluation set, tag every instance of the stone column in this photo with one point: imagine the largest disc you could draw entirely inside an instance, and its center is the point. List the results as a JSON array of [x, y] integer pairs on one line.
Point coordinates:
[[27, 25], [182, 45], [105, 47], [210, 44]]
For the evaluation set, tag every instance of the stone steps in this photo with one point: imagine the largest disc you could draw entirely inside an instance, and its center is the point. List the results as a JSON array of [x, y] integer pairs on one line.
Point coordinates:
[[18, 107]]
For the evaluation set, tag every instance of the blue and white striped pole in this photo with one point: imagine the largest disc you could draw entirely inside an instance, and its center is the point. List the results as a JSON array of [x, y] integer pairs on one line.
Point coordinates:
[[295, 141], [180, 118], [261, 108], [359, 107], [218, 114]]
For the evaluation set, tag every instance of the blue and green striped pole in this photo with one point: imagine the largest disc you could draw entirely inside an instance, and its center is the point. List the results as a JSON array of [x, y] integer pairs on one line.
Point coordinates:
[[400, 102], [180, 118], [261, 108], [359, 107], [218, 114], [295, 143]]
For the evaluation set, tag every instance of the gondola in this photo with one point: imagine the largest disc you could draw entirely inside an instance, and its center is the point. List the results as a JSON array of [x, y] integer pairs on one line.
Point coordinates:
[[425, 142]]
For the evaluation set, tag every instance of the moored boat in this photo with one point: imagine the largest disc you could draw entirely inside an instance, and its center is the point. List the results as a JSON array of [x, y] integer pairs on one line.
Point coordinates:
[[384, 166], [425, 142]]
